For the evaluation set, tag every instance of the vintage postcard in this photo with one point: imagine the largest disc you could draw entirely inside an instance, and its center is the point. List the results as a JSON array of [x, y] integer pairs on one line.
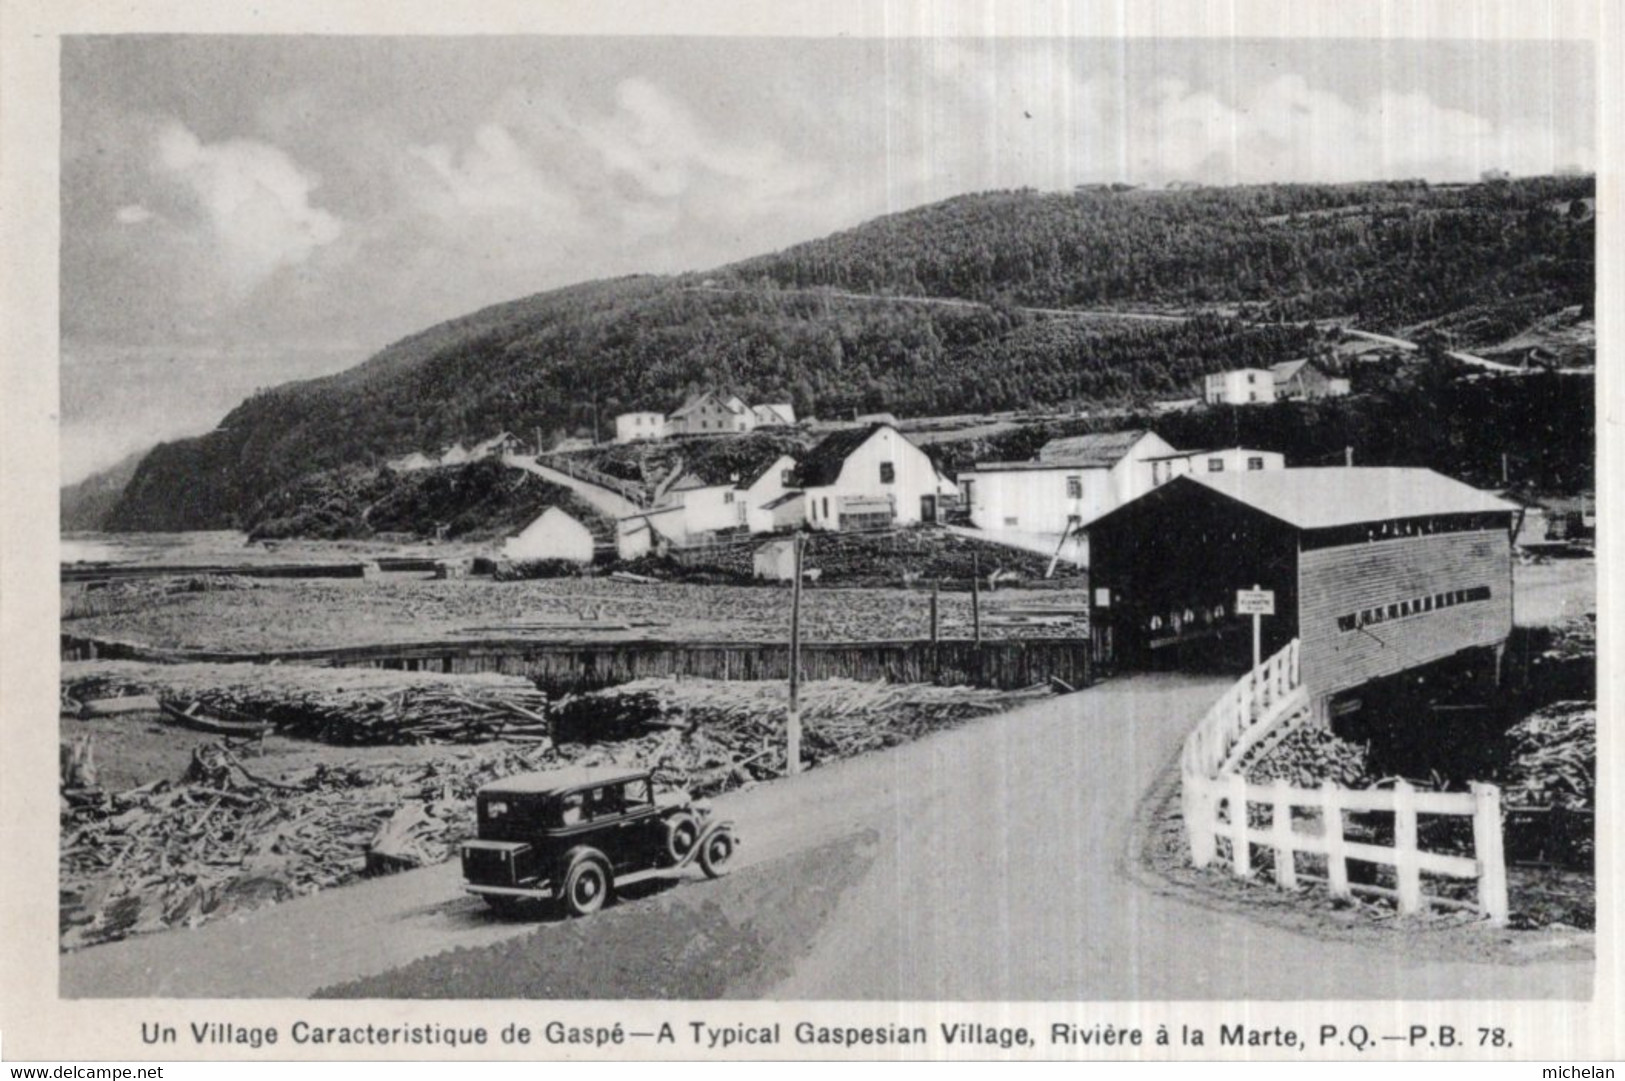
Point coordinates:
[[899, 531]]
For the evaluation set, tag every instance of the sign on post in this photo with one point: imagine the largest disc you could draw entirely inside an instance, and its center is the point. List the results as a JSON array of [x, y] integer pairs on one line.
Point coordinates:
[[1257, 603]]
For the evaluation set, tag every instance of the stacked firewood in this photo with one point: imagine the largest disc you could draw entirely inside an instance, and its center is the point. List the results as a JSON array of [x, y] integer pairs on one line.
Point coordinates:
[[335, 705], [226, 837]]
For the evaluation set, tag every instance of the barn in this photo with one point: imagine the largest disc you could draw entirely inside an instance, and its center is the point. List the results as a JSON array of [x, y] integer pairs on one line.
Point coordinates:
[[1375, 571]]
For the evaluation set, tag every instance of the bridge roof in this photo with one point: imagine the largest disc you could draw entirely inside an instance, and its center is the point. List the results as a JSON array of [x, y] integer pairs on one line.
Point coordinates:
[[1322, 498]]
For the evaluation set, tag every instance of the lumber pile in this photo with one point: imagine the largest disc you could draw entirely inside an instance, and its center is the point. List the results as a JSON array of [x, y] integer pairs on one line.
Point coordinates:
[[1554, 758], [346, 706], [1308, 757], [227, 838], [713, 735]]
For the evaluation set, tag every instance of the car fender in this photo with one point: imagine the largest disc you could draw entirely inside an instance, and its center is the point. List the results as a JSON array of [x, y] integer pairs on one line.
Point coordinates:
[[575, 855]]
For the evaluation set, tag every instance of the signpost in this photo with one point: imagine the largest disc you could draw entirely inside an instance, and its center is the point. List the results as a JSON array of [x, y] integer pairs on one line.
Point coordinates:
[[1258, 603]]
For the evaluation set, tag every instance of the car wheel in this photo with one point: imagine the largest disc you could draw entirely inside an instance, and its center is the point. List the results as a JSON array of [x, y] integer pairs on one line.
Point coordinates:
[[717, 853], [586, 888], [681, 832]]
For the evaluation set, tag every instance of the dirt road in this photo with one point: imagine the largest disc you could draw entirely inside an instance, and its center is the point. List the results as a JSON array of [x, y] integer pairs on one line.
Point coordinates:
[[993, 862]]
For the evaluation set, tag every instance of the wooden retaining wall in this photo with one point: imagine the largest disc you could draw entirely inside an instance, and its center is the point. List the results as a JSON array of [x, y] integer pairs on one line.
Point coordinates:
[[559, 667]]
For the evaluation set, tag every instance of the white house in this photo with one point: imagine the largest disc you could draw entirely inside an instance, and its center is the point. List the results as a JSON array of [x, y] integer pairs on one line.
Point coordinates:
[[711, 413], [759, 493], [870, 477], [708, 506], [456, 454], [1074, 481], [554, 535], [644, 425], [648, 531], [1166, 467], [775, 561], [775, 415], [1240, 386], [1305, 379], [498, 445]]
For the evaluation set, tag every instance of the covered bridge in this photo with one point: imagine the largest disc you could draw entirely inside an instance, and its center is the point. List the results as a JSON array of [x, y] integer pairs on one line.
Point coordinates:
[[1376, 571]]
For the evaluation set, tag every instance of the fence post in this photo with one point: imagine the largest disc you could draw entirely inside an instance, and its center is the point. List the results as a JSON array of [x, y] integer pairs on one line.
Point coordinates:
[[1487, 848], [1199, 807], [1331, 819], [1241, 852], [1286, 874], [1405, 862]]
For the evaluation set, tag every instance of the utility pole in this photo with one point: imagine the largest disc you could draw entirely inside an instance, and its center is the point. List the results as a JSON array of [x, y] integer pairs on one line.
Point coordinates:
[[792, 753], [976, 597], [935, 588], [1348, 457]]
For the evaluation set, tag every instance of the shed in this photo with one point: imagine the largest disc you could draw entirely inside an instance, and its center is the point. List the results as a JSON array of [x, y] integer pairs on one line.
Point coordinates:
[[554, 535], [776, 560], [1375, 571]]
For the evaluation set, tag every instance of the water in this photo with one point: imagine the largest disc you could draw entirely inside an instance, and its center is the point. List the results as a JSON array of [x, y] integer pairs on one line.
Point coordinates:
[[222, 546]]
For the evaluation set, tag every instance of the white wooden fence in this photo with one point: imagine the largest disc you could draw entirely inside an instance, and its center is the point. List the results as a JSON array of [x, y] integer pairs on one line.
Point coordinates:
[[1216, 797]]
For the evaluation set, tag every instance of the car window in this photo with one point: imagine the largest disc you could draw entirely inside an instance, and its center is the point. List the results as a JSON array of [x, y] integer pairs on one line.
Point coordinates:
[[635, 794], [571, 808], [604, 802]]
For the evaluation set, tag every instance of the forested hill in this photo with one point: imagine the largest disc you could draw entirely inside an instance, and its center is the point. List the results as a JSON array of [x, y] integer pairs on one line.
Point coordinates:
[[1482, 261]]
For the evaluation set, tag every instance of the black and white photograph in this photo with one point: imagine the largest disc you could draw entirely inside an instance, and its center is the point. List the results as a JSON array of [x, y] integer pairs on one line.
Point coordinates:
[[949, 517]]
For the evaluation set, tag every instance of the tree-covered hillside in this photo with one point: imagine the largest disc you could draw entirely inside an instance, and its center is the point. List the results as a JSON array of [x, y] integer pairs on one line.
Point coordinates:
[[776, 328]]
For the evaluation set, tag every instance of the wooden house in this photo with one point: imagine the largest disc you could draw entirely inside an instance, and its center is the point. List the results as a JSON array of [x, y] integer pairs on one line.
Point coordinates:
[[553, 535], [1074, 481], [630, 427], [1375, 571], [711, 412], [868, 478], [1181, 463], [1305, 380], [1239, 386]]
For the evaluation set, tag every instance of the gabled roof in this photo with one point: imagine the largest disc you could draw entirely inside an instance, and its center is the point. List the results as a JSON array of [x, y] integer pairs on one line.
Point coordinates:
[[738, 463], [1096, 448], [733, 403], [822, 465], [1331, 496], [1285, 370], [779, 501]]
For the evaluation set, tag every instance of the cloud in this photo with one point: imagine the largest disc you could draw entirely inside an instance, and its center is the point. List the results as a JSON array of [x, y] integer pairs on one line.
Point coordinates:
[[133, 214], [1288, 129], [254, 203], [493, 176]]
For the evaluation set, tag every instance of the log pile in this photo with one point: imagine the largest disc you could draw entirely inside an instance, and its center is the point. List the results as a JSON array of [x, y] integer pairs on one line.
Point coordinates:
[[335, 705], [226, 838], [1308, 757], [1554, 758], [714, 735]]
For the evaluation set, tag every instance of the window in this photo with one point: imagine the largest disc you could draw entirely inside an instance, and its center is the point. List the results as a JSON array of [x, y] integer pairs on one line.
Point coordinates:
[[826, 506], [1074, 487], [1251, 378], [784, 477], [1215, 465], [1011, 521], [969, 487], [727, 497], [888, 473], [635, 794], [1252, 395], [1255, 464]]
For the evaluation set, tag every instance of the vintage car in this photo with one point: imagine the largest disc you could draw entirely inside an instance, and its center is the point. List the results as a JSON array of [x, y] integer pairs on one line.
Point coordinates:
[[575, 835]]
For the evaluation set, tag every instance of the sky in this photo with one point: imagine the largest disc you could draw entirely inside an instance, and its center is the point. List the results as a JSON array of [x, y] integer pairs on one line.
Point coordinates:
[[242, 211]]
